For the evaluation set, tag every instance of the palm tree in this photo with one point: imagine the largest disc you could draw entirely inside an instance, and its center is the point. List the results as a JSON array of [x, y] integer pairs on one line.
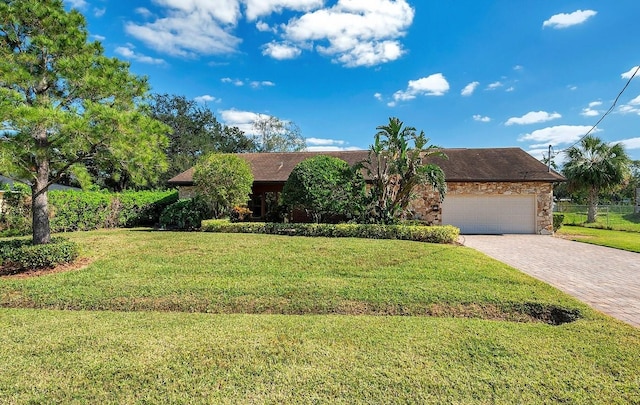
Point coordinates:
[[396, 168], [595, 166]]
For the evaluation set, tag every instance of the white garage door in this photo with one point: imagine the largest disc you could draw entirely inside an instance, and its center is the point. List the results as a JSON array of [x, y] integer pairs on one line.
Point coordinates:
[[490, 214]]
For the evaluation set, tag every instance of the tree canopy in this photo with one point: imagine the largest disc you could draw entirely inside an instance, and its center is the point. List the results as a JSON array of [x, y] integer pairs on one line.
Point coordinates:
[[64, 105], [276, 135], [325, 187], [223, 181], [595, 166], [195, 132]]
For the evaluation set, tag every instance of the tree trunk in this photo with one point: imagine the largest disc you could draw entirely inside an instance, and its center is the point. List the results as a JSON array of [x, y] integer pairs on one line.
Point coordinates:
[[592, 201], [39, 198]]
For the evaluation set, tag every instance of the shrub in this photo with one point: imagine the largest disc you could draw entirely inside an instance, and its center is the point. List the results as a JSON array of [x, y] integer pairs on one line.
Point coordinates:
[[325, 187], [15, 212], [240, 214], [185, 214], [431, 234], [86, 210], [223, 181], [557, 221], [24, 255]]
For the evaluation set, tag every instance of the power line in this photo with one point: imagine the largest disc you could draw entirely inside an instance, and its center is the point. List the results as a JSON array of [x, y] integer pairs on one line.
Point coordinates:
[[605, 114]]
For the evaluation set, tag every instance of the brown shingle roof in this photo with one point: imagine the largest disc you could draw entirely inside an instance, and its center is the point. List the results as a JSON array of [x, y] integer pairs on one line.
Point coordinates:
[[492, 164]]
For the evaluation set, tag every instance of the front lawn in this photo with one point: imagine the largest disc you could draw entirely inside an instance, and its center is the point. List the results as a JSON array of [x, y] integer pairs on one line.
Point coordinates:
[[616, 239], [301, 320]]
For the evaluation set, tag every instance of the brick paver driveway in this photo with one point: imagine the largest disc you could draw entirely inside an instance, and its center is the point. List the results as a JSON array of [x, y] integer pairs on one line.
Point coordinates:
[[607, 279]]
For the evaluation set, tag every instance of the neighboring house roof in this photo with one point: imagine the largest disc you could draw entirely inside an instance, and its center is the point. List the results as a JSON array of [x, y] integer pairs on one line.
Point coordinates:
[[55, 186], [481, 165]]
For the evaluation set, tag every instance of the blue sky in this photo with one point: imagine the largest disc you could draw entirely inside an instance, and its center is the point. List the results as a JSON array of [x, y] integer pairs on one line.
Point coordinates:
[[469, 73]]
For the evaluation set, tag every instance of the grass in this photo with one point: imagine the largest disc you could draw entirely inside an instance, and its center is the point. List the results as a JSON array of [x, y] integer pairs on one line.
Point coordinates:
[[258, 274], [612, 220], [298, 320], [604, 237]]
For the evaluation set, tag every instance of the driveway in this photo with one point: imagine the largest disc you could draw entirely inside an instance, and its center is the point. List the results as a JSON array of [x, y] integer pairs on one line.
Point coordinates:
[[606, 279]]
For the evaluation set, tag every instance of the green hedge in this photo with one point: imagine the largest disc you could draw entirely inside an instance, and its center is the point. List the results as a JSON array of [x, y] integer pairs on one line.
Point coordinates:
[[431, 234], [86, 210], [185, 214], [557, 221], [22, 254]]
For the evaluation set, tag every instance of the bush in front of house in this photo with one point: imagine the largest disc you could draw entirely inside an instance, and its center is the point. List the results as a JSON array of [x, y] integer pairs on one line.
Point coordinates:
[[185, 214], [557, 221], [23, 255], [431, 234], [325, 187]]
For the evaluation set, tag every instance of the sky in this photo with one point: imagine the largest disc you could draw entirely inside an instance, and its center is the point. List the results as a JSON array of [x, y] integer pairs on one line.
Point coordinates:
[[471, 74]]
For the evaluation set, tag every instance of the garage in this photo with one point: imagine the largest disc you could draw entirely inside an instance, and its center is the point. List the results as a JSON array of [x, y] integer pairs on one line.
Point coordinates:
[[490, 214]]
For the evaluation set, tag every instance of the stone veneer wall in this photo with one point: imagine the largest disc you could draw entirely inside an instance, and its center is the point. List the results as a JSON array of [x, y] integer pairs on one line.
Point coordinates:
[[186, 192], [427, 207]]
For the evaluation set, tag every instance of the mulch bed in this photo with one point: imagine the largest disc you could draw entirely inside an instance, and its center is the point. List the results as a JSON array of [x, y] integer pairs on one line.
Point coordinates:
[[12, 271]]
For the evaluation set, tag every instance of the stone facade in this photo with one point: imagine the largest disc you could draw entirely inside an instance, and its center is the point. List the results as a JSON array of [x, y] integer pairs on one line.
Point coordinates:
[[427, 206], [186, 192]]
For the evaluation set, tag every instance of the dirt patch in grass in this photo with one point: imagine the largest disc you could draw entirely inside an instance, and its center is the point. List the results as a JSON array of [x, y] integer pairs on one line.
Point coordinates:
[[9, 271]]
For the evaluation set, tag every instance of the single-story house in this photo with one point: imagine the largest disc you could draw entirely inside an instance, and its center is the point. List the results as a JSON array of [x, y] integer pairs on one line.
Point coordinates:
[[490, 191]]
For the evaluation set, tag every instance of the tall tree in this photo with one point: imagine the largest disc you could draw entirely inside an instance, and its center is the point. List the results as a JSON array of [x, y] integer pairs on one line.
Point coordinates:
[[276, 135], [396, 168], [195, 132], [595, 166], [64, 104]]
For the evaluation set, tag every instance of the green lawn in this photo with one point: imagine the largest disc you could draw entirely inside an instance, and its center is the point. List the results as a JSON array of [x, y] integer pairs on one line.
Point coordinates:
[[300, 320], [616, 239], [606, 220]]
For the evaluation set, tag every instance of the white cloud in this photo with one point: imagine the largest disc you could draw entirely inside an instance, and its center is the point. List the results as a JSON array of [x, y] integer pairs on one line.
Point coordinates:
[[241, 119], [434, 85], [128, 53], [98, 37], [353, 32], [632, 143], [350, 32], [206, 99], [191, 28], [469, 89], [480, 118], [265, 83], [563, 20], [235, 82], [572, 87], [632, 107], [260, 8], [510, 89], [326, 145], [591, 111], [263, 26], [324, 142], [629, 74], [557, 135], [77, 4], [494, 85], [533, 117], [330, 148], [378, 96], [281, 51], [99, 12], [518, 67]]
